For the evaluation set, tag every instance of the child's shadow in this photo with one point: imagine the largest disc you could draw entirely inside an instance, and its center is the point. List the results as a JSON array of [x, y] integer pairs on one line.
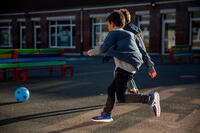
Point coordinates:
[[8, 103], [85, 124]]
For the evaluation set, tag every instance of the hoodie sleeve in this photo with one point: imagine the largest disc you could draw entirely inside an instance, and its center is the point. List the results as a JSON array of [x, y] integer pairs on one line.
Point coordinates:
[[145, 56], [108, 42], [140, 44]]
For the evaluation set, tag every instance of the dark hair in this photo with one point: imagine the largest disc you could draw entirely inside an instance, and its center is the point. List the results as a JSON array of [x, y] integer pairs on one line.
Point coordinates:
[[117, 18], [127, 15]]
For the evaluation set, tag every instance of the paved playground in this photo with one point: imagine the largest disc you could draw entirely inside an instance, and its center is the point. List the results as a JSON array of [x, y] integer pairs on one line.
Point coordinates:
[[66, 105]]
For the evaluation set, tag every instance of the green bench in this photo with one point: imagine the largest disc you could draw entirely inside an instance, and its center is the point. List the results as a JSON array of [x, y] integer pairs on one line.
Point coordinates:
[[177, 53], [24, 60]]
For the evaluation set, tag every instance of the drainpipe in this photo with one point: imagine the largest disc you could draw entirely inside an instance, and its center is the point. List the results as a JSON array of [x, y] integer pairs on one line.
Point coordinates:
[[82, 28]]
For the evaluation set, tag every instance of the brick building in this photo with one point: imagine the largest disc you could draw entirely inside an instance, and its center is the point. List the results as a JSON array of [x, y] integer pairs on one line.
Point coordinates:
[[78, 25]]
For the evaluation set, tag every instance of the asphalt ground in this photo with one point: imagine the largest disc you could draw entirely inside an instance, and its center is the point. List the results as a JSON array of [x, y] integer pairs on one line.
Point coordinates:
[[66, 104]]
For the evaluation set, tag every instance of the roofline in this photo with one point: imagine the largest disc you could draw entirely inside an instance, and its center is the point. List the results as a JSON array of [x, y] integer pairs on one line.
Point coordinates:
[[93, 8], [132, 5], [40, 12], [116, 6]]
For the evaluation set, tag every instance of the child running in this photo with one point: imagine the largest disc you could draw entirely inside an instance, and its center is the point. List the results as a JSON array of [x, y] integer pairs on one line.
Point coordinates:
[[121, 45], [140, 44]]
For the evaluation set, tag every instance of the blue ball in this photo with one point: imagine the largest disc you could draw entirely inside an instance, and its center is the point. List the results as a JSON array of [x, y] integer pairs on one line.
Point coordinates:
[[22, 94]]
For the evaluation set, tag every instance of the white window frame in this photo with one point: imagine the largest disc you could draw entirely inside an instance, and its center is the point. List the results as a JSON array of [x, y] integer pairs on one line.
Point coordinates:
[[71, 25], [35, 36], [9, 27], [192, 9], [140, 22], [164, 22], [35, 27], [140, 13], [22, 27], [100, 16]]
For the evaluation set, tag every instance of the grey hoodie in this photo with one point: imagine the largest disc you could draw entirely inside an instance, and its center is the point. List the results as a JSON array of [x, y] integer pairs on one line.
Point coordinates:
[[122, 45]]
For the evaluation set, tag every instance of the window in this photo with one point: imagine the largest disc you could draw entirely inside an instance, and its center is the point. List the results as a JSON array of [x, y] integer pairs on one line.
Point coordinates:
[[22, 34], [37, 41], [5, 34], [62, 33], [168, 31], [195, 29], [143, 23], [99, 30]]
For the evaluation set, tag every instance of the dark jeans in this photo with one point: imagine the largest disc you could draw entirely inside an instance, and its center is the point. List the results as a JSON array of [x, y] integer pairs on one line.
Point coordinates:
[[131, 84], [118, 87]]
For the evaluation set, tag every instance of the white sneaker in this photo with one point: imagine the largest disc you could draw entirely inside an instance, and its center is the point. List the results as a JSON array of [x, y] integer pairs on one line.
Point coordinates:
[[155, 103]]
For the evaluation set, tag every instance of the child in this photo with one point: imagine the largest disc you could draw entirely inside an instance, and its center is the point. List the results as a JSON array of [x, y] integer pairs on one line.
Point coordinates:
[[140, 44], [121, 45]]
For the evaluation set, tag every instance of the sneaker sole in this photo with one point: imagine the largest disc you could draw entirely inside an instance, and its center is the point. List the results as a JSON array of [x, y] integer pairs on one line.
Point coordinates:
[[109, 120], [157, 100]]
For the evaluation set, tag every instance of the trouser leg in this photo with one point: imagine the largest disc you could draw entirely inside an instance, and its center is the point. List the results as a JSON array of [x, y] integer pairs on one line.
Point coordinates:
[[111, 98], [136, 98], [131, 84], [119, 86], [122, 78]]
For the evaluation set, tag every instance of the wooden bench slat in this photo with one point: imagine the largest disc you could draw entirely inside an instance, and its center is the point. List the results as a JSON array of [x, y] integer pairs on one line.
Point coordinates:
[[28, 55], [8, 66], [50, 55], [42, 59], [5, 56], [8, 61], [28, 50], [5, 51], [50, 50], [40, 64], [38, 55]]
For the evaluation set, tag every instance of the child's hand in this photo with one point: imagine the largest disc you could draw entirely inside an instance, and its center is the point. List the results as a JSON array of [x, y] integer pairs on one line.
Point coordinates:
[[152, 74], [138, 35], [89, 53]]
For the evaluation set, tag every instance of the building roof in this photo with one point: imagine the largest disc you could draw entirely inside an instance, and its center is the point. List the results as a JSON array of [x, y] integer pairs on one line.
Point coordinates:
[[16, 6]]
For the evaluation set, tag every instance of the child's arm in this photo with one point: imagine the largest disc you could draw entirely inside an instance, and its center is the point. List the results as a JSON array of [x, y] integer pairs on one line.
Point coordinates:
[[108, 42], [140, 44], [95, 51], [146, 58], [145, 55]]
